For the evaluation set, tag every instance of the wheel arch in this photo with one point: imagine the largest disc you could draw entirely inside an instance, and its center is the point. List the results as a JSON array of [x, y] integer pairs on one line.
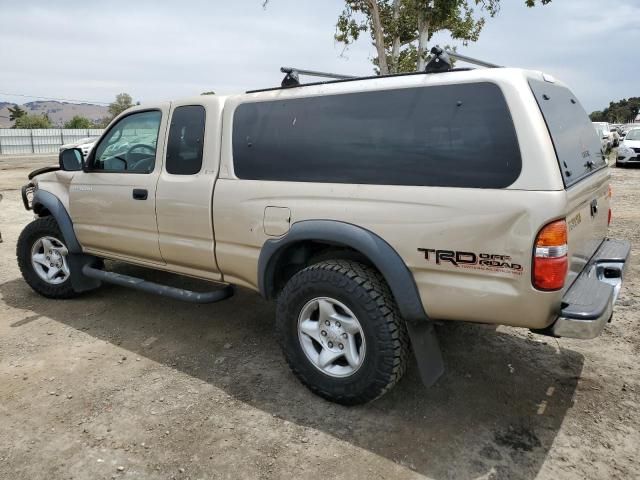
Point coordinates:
[[45, 204], [373, 249]]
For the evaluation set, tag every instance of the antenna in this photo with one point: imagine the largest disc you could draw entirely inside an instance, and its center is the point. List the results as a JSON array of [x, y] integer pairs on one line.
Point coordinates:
[[292, 77]]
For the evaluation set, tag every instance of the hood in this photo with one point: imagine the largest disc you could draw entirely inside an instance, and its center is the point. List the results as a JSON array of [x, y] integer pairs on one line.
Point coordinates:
[[631, 143]]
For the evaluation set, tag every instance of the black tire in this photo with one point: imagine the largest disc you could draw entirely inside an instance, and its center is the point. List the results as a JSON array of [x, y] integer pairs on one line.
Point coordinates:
[[365, 292], [41, 227]]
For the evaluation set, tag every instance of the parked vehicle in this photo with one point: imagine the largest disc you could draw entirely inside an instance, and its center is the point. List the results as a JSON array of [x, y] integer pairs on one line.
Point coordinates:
[[366, 208], [616, 136], [607, 137], [625, 129], [84, 144], [629, 151]]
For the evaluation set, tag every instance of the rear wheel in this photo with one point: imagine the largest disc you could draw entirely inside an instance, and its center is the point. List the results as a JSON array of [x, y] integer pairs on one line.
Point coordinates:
[[42, 258], [341, 332]]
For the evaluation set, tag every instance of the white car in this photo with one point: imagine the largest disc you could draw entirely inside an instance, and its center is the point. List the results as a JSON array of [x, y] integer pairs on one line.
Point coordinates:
[[625, 129], [84, 144], [629, 150], [605, 133]]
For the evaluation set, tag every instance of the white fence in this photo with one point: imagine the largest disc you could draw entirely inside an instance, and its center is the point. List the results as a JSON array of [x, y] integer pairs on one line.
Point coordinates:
[[18, 141]]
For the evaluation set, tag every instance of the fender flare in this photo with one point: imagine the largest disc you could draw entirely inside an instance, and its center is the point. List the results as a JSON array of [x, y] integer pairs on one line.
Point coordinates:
[[77, 260], [379, 252], [54, 205]]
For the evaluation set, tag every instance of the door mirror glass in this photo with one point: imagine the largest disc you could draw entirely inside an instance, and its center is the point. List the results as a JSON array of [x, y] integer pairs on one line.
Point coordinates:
[[71, 160]]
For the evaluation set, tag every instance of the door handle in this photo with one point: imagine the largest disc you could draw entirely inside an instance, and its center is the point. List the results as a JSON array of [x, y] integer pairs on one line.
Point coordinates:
[[140, 194]]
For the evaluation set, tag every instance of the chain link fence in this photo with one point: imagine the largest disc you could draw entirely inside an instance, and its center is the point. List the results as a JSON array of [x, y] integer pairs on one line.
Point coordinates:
[[24, 142]]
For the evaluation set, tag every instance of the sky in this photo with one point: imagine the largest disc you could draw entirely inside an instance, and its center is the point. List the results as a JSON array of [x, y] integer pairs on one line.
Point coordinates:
[[159, 50]]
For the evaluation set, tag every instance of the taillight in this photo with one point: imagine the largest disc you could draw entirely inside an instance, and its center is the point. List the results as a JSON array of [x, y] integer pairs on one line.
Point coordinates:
[[550, 260]]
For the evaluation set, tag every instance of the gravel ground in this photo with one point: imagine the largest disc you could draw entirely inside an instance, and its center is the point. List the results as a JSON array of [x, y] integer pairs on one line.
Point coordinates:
[[120, 384]]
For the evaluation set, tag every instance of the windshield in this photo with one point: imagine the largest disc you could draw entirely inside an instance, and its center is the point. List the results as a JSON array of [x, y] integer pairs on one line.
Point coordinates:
[[633, 134], [574, 137]]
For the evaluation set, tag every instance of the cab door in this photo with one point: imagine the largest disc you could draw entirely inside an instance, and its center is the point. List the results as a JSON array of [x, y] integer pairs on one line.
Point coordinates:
[[185, 188], [112, 202]]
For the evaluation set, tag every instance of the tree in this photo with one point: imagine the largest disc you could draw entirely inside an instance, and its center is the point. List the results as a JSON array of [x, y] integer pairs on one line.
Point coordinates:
[[33, 121], [123, 101], [623, 111], [79, 121], [208, 93], [401, 29], [16, 112]]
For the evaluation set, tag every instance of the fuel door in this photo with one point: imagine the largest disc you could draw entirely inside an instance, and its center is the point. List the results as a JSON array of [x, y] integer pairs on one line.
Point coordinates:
[[276, 221]]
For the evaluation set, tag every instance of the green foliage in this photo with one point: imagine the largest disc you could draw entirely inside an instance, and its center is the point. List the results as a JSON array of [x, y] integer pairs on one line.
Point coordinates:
[[623, 111], [79, 122], [408, 25], [33, 121], [15, 113], [123, 101], [208, 93]]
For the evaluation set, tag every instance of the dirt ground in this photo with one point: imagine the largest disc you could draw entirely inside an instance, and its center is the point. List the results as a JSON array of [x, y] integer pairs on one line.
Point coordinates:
[[121, 384]]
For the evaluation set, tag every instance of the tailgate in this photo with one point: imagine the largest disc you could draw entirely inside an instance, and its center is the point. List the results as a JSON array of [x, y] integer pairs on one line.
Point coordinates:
[[587, 220], [583, 168]]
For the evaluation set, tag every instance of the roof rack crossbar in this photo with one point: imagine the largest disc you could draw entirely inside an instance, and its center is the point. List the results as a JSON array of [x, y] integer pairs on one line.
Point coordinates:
[[471, 60], [292, 77], [314, 73]]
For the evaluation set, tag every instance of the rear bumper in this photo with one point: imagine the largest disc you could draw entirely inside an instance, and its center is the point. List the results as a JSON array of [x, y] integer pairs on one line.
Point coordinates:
[[587, 306]]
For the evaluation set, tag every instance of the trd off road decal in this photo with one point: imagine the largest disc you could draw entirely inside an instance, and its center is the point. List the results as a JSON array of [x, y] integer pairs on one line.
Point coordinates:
[[475, 261]]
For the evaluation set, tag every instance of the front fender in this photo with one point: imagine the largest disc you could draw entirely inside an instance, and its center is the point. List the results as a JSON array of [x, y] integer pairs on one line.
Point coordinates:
[[77, 260], [47, 200]]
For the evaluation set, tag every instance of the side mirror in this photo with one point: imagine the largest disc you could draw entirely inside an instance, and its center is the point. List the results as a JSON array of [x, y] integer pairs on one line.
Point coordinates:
[[71, 160]]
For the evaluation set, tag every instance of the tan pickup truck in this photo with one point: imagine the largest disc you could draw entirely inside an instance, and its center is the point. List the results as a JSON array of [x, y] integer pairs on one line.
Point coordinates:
[[367, 208]]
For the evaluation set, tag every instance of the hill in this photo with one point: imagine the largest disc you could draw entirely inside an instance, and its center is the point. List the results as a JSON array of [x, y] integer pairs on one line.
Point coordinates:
[[59, 112]]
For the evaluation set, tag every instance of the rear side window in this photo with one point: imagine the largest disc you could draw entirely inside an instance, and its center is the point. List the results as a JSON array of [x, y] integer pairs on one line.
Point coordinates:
[[453, 135], [574, 137], [186, 139]]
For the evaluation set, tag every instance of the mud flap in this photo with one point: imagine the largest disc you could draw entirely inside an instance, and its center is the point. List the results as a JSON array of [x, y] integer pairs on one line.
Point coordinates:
[[79, 281], [427, 351]]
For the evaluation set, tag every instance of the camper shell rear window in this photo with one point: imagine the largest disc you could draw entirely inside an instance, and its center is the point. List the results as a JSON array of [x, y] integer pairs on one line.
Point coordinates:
[[574, 137]]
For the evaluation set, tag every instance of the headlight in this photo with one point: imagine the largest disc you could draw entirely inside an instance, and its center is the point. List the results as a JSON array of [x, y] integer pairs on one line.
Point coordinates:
[[626, 151]]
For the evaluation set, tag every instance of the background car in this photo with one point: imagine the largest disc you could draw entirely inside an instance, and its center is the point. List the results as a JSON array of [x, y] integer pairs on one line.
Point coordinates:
[[616, 135], [84, 144], [625, 128], [605, 144], [629, 150], [605, 134]]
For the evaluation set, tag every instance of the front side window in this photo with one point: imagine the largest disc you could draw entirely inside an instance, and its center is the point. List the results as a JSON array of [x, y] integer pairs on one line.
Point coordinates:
[[130, 146], [186, 139]]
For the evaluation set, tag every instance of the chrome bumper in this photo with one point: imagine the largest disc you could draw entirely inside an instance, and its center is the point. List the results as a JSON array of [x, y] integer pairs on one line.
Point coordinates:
[[588, 304]]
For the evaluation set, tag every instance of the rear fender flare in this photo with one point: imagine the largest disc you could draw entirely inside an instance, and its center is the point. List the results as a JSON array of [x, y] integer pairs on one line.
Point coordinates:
[[379, 252]]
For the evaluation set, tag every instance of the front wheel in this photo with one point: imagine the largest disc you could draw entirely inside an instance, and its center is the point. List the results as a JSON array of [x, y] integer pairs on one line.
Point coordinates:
[[42, 258], [341, 332]]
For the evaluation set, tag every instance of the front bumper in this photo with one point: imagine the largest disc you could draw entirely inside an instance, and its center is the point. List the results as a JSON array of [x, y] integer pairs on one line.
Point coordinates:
[[587, 306]]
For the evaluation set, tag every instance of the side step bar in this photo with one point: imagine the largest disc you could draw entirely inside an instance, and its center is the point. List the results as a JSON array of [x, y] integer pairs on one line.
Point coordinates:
[[139, 284]]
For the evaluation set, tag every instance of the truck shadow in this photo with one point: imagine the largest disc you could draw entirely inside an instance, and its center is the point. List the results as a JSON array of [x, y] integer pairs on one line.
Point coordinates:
[[496, 411]]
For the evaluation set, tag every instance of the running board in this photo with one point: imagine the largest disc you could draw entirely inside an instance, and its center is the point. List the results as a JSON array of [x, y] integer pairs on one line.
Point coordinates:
[[139, 284]]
